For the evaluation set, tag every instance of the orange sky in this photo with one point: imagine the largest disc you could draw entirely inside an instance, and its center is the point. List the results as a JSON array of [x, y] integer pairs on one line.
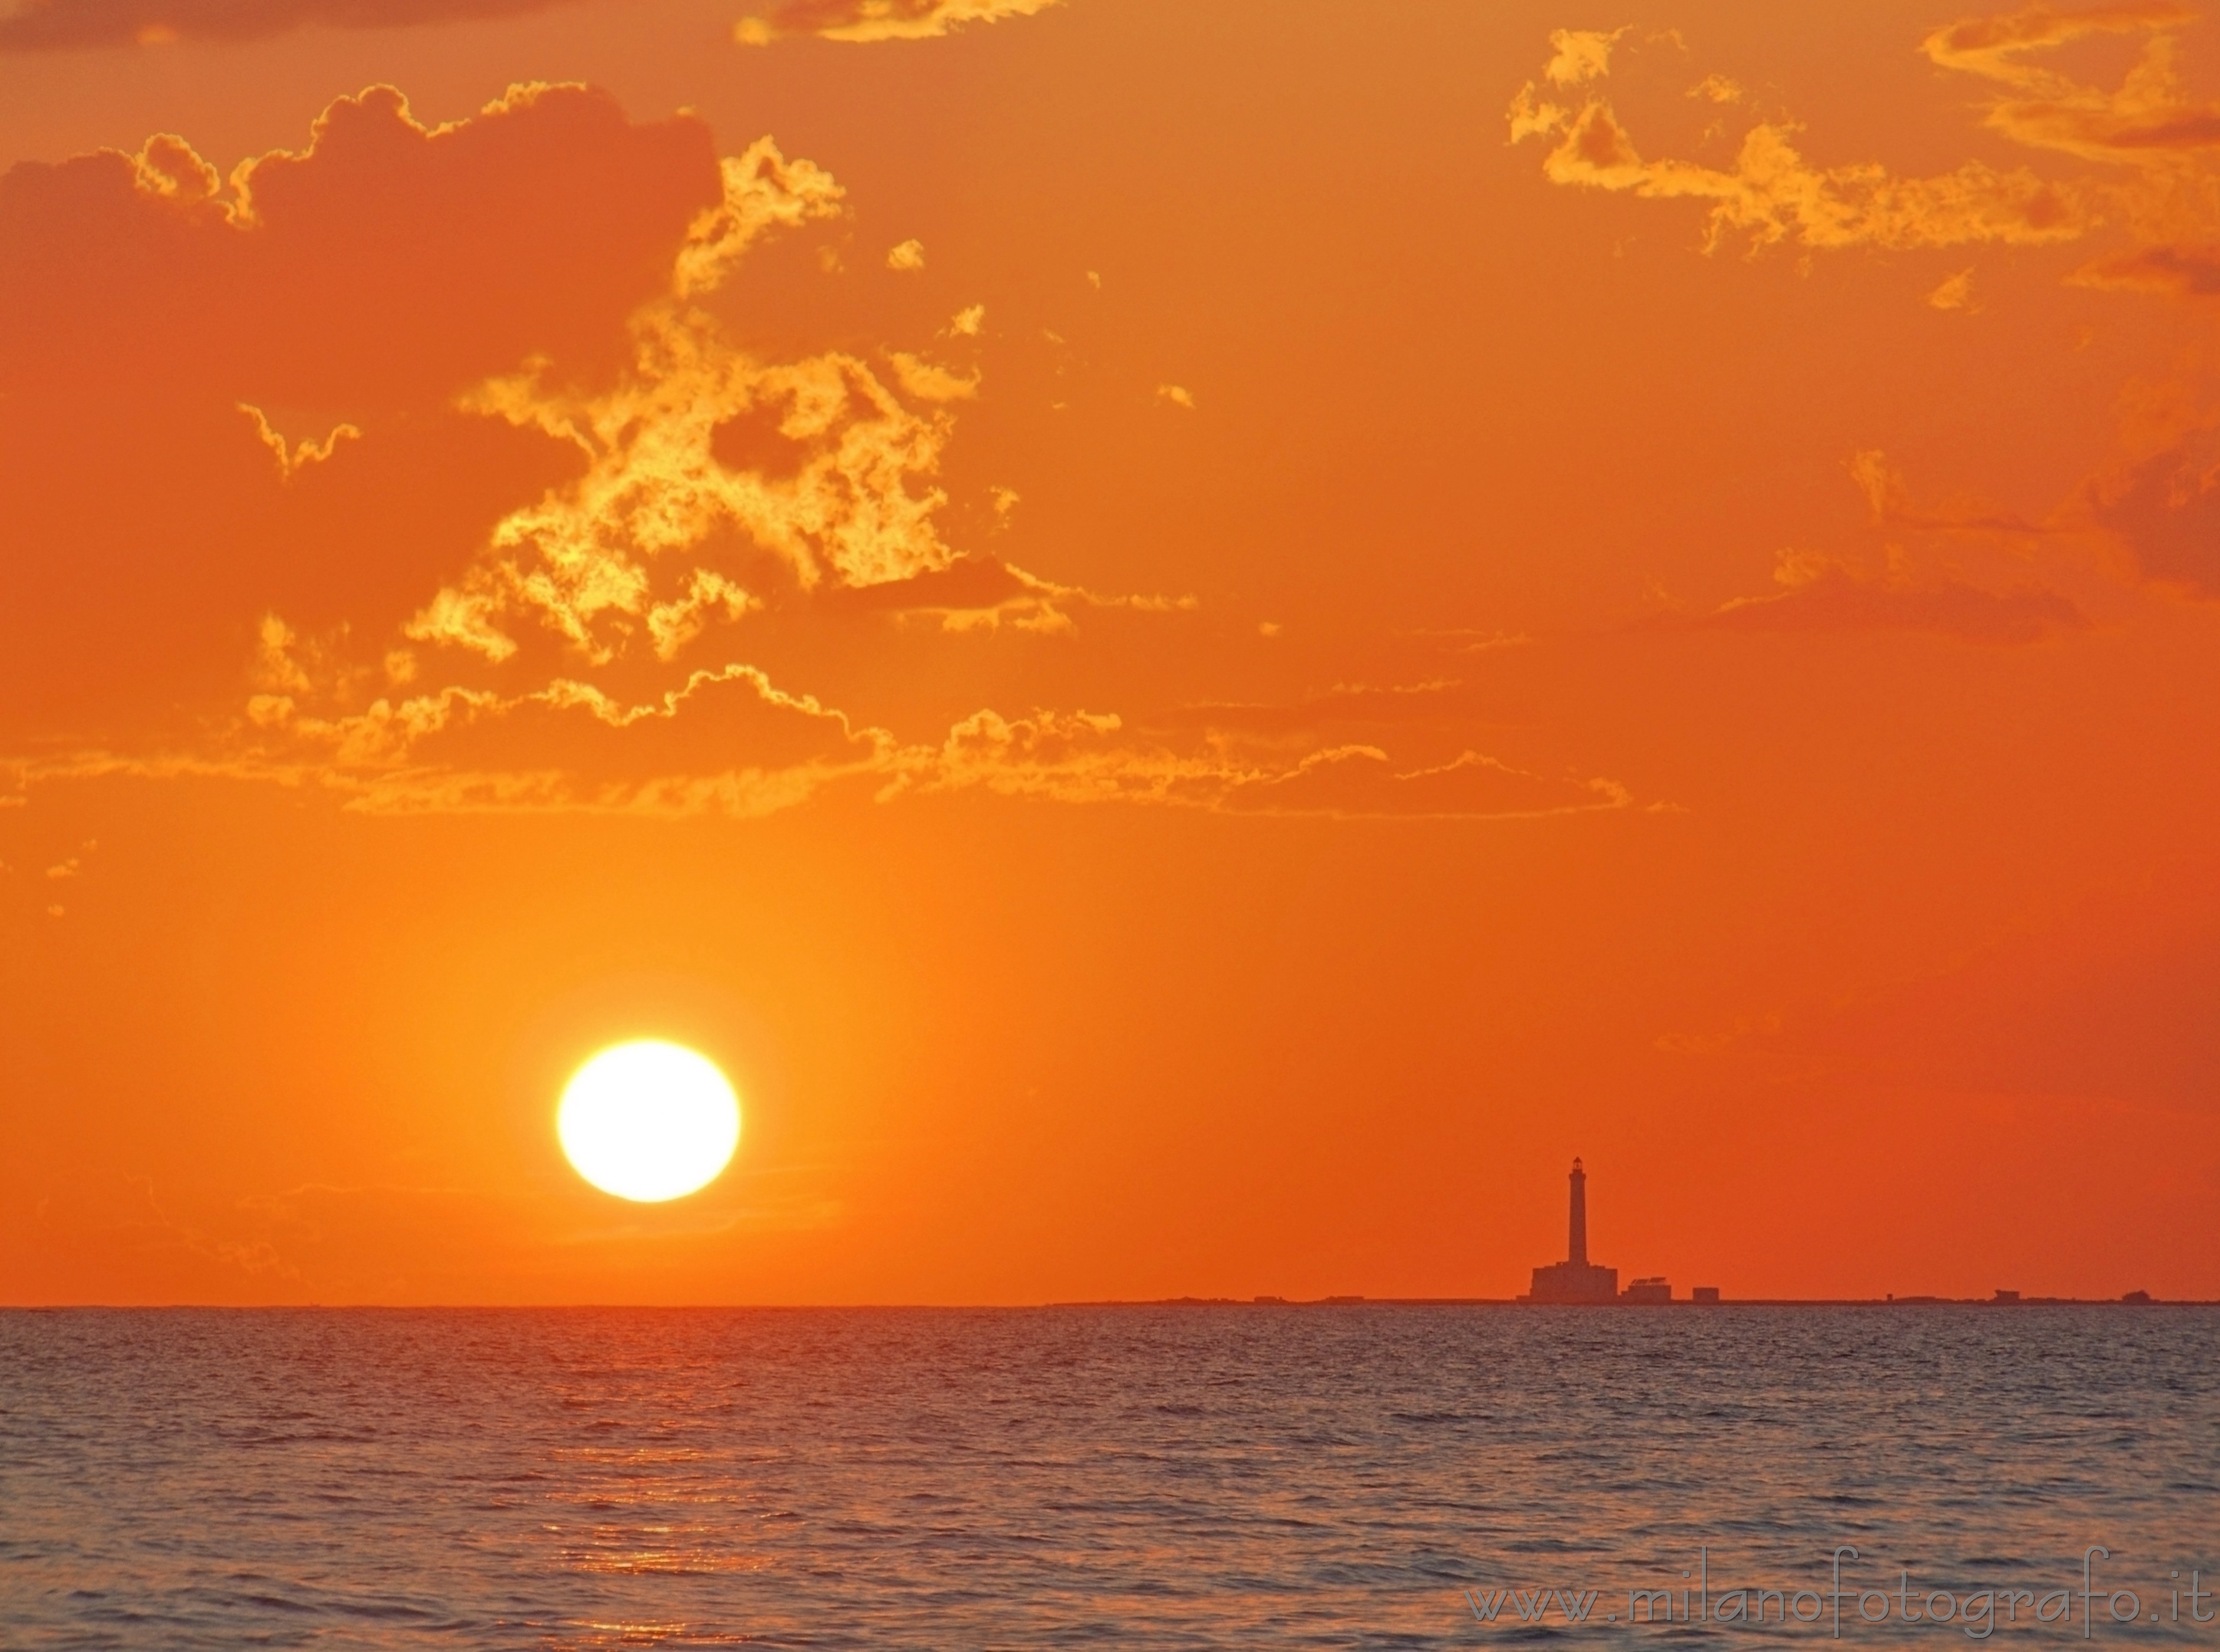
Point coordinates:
[[1198, 638]]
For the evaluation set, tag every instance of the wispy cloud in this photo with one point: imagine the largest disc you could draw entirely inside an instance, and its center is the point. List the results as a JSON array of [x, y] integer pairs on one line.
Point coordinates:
[[1815, 593], [863, 21]]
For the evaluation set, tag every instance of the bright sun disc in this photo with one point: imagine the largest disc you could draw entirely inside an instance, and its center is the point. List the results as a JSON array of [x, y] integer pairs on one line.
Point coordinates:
[[648, 1120]]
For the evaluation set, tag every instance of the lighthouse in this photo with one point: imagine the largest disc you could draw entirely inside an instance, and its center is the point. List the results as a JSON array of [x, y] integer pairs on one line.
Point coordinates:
[[1577, 1242], [1576, 1279]]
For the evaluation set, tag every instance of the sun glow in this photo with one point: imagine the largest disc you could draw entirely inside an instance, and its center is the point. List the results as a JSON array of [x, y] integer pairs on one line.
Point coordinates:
[[648, 1121]]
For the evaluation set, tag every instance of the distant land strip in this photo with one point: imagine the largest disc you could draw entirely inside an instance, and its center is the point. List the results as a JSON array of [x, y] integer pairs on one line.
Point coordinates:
[[1724, 1302]]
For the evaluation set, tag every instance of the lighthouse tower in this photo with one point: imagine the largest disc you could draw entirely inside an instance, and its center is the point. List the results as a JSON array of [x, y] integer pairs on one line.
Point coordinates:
[[1576, 1279]]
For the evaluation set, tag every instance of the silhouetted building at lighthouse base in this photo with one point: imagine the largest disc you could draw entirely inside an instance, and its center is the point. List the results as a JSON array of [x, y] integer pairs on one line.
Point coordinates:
[[1574, 1281]]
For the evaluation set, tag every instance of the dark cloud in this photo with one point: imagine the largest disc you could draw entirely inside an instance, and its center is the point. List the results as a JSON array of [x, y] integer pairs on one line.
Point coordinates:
[[2125, 1013], [62, 25], [1840, 600], [2166, 510], [162, 337], [2185, 272]]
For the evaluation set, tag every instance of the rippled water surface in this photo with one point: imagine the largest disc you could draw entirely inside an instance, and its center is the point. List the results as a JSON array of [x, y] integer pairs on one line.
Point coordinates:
[[1138, 1477]]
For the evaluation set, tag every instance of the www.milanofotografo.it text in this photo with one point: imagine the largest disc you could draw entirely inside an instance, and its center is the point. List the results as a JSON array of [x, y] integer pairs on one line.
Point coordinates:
[[2090, 1605]]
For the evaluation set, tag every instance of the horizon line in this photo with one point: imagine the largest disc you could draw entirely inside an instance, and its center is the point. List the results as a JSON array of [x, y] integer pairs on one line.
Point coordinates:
[[1350, 1301]]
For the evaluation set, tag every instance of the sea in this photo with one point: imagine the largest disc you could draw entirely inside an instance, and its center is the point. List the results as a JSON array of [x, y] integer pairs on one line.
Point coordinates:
[[1179, 1476]]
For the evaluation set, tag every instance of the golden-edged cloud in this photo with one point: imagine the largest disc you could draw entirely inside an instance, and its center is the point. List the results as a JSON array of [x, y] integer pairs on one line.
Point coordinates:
[[713, 479], [1770, 192], [844, 499], [1089, 758], [2153, 146], [476, 501], [874, 20]]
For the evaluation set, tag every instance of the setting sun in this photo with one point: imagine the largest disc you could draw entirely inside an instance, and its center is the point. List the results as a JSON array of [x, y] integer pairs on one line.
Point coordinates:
[[648, 1121]]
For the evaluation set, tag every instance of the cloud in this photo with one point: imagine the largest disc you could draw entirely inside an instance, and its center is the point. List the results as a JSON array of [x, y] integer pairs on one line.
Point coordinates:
[[2183, 272], [715, 484], [560, 654], [976, 593], [571, 748], [436, 460], [2138, 122], [1359, 705], [449, 251], [1583, 54], [1821, 593], [1083, 758], [876, 20], [299, 455], [2149, 131], [700, 450], [219, 396], [2165, 509], [1889, 497], [1955, 292], [54, 25], [2108, 999], [2154, 143], [1773, 195], [1356, 781], [926, 381]]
